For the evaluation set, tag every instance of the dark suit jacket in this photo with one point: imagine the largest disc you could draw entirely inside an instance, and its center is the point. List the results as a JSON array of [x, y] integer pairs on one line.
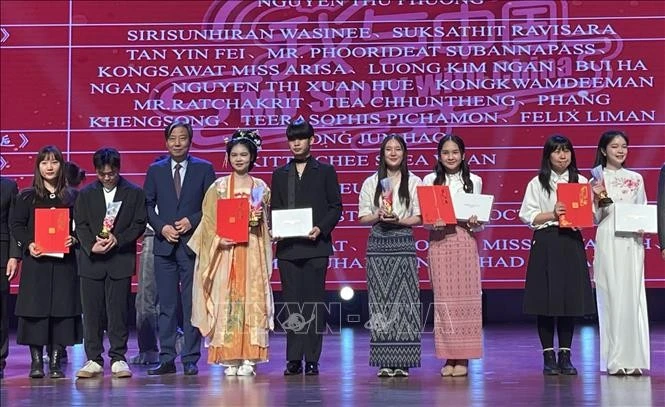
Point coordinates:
[[661, 207], [8, 246], [129, 225], [160, 193], [319, 190]]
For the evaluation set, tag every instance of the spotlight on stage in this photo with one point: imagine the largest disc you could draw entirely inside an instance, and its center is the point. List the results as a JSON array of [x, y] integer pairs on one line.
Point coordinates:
[[346, 293]]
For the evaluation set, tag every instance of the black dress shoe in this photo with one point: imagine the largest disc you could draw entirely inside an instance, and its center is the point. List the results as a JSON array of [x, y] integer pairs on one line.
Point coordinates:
[[293, 367], [311, 369], [162, 368], [190, 369]]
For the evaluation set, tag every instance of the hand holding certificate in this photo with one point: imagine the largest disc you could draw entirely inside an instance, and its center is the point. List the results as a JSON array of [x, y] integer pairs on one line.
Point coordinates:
[[291, 223], [577, 201], [233, 219], [51, 231], [436, 205], [469, 205], [635, 218]]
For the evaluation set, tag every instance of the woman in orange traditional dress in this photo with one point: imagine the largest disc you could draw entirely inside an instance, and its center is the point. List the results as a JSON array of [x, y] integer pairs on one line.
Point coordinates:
[[232, 300]]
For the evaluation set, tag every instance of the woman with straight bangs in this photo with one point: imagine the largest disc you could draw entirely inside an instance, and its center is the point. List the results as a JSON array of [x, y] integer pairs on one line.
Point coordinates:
[[232, 299], [388, 202], [558, 287], [455, 266], [48, 305], [618, 265]]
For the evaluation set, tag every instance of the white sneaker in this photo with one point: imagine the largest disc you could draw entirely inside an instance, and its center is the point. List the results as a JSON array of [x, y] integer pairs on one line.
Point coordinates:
[[247, 369], [90, 369], [385, 372], [231, 371], [120, 369]]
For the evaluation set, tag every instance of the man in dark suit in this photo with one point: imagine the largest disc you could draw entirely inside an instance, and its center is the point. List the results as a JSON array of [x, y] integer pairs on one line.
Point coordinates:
[[305, 182], [107, 261], [661, 211], [174, 189], [10, 256]]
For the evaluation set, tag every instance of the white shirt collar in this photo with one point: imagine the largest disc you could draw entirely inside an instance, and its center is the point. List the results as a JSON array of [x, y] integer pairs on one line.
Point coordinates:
[[182, 163]]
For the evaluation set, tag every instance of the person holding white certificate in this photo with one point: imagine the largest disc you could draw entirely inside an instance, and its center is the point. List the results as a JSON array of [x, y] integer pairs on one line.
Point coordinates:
[[619, 263], [455, 266], [305, 182]]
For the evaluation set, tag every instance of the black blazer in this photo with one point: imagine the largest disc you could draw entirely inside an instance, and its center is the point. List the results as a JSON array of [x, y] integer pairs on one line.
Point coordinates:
[[8, 246], [661, 207], [319, 190], [130, 223]]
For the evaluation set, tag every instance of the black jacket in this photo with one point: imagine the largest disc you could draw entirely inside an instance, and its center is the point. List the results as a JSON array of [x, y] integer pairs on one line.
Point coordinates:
[[318, 189], [129, 225], [8, 246], [49, 286]]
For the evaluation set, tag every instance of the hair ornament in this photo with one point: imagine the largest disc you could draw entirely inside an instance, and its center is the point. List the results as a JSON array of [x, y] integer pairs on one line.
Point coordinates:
[[251, 135]]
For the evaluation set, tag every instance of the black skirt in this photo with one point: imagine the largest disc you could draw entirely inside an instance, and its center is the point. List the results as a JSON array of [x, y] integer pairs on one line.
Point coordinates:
[[557, 276], [65, 331]]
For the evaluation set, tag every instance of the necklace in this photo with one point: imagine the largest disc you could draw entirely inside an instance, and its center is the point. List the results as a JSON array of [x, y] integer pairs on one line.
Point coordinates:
[[52, 196]]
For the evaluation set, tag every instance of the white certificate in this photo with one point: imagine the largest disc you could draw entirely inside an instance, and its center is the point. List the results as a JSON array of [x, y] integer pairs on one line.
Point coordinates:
[[635, 217], [467, 205], [291, 222]]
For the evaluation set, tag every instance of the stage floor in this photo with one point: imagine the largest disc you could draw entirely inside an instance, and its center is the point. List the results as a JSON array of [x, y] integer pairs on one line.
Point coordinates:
[[508, 374]]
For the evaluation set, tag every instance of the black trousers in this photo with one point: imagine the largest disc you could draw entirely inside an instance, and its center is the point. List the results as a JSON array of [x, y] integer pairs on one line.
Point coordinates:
[[303, 296], [4, 302], [4, 324], [100, 298]]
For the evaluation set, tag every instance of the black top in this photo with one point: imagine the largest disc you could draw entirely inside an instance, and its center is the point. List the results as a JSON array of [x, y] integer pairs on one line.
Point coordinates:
[[318, 189]]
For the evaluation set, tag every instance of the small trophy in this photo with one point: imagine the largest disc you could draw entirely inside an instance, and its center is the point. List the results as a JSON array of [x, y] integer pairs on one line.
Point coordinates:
[[387, 195], [598, 179], [112, 210], [256, 205]]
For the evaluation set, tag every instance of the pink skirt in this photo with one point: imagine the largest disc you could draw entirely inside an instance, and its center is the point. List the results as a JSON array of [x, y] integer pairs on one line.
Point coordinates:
[[455, 274]]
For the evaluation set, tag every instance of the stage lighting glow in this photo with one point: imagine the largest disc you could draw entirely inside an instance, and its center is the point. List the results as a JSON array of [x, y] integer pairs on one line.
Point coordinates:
[[346, 293]]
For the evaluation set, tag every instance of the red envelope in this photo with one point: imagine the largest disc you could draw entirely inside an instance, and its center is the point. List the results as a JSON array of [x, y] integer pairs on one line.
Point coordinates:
[[233, 219], [52, 229], [436, 204], [577, 198]]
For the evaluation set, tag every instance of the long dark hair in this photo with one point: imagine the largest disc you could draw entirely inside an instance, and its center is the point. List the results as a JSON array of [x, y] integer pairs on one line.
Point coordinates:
[[440, 170], [38, 185], [403, 191], [554, 143], [605, 140]]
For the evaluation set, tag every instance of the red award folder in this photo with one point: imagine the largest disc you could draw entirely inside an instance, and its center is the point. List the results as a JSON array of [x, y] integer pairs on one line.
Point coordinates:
[[577, 198], [436, 204], [52, 229], [233, 219]]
